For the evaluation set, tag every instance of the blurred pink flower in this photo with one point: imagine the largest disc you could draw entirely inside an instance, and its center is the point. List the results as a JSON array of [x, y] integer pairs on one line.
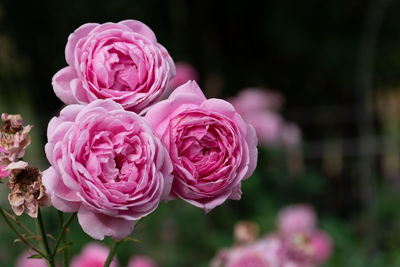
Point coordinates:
[[305, 245], [321, 244], [268, 126], [260, 107], [221, 258], [141, 261], [184, 73], [297, 218], [257, 99], [266, 252], [291, 135], [24, 261], [93, 255]]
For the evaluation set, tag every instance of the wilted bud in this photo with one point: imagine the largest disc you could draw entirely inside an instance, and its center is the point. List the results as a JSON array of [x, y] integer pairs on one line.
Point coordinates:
[[4, 161], [13, 136], [245, 232], [27, 190]]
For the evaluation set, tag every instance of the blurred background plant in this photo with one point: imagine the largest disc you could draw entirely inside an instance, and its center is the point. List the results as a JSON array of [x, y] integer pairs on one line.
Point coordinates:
[[336, 65]]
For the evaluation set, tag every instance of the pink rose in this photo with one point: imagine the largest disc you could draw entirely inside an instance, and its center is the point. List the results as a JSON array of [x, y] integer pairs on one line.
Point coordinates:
[[268, 126], [93, 255], [256, 99], [141, 261], [297, 218], [184, 72], [211, 147], [121, 61], [321, 244], [266, 252], [107, 165], [259, 107], [24, 261], [305, 244], [308, 249]]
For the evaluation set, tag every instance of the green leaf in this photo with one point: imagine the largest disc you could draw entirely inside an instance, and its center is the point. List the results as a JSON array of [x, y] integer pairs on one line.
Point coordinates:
[[35, 256], [64, 246], [131, 239], [51, 237]]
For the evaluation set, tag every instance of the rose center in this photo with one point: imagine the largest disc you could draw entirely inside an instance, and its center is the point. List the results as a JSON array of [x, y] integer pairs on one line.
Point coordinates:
[[119, 66]]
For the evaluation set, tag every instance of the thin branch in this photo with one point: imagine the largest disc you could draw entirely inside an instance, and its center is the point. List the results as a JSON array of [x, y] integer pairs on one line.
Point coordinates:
[[20, 236]]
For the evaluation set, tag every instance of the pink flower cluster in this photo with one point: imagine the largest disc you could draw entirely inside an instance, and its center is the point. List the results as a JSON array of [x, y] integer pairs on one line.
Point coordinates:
[[92, 255], [260, 108], [113, 166], [297, 243]]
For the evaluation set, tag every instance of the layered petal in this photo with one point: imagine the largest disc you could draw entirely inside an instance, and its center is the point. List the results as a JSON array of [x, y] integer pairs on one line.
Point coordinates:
[[106, 161], [119, 61]]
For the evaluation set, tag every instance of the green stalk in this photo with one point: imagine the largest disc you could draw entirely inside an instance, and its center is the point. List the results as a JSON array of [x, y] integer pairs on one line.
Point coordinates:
[[20, 224], [64, 238], [62, 233], [112, 252], [20, 236], [50, 257]]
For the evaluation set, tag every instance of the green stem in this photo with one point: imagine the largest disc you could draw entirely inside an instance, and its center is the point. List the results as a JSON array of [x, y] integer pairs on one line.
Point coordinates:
[[44, 239], [20, 236], [64, 238], [15, 219], [112, 252], [62, 233]]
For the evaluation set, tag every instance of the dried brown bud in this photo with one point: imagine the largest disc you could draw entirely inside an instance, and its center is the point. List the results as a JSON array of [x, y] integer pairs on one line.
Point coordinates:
[[27, 190], [245, 232], [4, 161], [13, 136]]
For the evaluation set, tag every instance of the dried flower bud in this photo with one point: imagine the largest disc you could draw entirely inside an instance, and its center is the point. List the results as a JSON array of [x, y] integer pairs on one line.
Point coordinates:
[[4, 161], [27, 190], [13, 136], [245, 232]]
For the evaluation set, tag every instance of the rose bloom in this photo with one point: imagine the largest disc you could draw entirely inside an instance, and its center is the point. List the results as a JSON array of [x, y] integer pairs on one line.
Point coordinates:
[[107, 165], [304, 243], [264, 253], [184, 73], [260, 109], [93, 255], [24, 261], [141, 261], [256, 99], [308, 249], [322, 247], [212, 149], [297, 218], [121, 61]]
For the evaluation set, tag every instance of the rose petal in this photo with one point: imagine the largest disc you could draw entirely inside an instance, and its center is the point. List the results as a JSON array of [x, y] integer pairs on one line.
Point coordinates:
[[139, 27], [61, 84], [97, 225], [73, 38]]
